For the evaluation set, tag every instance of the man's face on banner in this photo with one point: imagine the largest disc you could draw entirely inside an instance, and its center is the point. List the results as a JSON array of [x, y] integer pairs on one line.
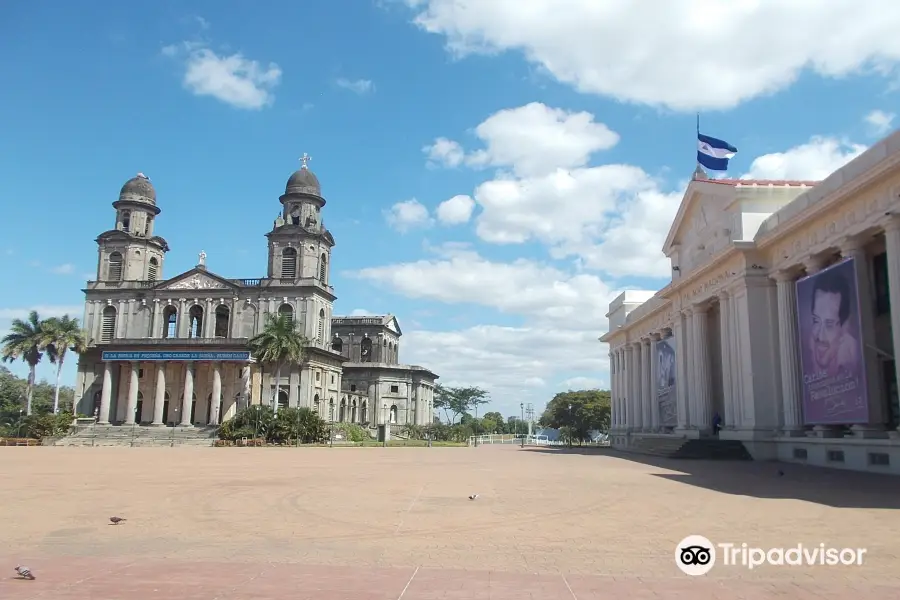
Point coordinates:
[[827, 329]]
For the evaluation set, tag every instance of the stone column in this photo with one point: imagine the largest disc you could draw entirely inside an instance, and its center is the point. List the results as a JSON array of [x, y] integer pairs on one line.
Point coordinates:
[[892, 247], [105, 394], [133, 384], [620, 386], [789, 349], [703, 404], [228, 373], [159, 400], [216, 394], [188, 395], [725, 334], [654, 381], [245, 386], [209, 319], [853, 248], [646, 378], [637, 386], [612, 390], [629, 387], [682, 372]]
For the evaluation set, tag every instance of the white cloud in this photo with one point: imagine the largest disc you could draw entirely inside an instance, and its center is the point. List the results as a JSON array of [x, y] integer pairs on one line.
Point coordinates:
[[456, 210], [361, 312], [357, 86], [43, 310], [406, 215], [511, 136], [541, 293], [684, 54], [64, 269], [880, 122], [445, 153], [234, 79], [812, 161], [583, 383]]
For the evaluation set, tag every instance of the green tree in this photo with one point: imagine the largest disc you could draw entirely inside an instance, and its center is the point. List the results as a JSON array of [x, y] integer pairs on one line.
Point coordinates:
[[280, 343], [578, 413], [457, 401], [493, 422], [442, 400], [61, 334], [25, 341]]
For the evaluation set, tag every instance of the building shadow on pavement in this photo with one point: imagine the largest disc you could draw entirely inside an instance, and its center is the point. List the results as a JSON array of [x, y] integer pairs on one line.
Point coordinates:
[[761, 479]]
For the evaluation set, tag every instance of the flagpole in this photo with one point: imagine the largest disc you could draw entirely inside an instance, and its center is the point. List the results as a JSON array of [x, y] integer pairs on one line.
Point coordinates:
[[698, 136]]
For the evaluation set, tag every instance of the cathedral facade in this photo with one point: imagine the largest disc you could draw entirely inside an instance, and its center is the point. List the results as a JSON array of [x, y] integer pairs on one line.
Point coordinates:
[[174, 351]]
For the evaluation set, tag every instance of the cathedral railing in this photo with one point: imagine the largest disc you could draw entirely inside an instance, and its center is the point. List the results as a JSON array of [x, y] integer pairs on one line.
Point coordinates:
[[176, 342], [120, 285]]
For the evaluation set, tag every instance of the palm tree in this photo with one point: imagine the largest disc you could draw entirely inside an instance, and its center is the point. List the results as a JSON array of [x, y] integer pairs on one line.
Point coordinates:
[[59, 336], [280, 343], [25, 342]]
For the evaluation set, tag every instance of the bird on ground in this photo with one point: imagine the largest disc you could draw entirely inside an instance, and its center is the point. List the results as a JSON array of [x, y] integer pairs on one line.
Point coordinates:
[[25, 573], [780, 473], [473, 497], [117, 520]]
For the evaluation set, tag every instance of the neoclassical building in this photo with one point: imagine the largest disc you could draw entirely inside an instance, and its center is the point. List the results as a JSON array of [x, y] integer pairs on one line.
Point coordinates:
[[781, 322], [174, 351]]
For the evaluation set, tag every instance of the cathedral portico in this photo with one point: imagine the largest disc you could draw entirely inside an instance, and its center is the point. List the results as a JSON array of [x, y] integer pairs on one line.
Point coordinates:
[[783, 315], [176, 351]]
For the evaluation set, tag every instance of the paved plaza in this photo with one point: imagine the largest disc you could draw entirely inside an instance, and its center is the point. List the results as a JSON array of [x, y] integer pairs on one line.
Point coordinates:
[[397, 524]]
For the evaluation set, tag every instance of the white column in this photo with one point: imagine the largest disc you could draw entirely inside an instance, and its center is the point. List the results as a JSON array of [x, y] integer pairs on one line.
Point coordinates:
[[683, 372], [228, 392], [703, 404], [725, 334], [637, 396], [612, 389], [216, 394], [159, 399], [853, 248], [654, 383], [133, 383], [188, 395], [646, 395], [789, 348], [105, 394], [629, 386], [892, 247], [620, 376]]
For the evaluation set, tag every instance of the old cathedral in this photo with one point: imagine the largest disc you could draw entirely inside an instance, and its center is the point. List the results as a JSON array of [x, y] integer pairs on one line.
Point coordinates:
[[174, 351]]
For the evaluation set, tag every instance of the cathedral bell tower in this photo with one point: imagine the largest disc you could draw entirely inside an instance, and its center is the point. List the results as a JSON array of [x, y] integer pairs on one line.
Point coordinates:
[[130, 251], [299, 245]]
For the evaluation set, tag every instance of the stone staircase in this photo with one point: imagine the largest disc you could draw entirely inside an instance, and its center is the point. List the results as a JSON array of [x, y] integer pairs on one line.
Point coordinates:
[[696, 449], [125, 435]]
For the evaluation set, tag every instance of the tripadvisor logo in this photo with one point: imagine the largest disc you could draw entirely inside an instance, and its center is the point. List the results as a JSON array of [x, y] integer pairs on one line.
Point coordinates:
[[697, 555]]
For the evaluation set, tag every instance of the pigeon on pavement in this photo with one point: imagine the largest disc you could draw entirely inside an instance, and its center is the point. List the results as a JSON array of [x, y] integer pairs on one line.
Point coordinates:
[[116, 520], [25, 573], [473, 497]]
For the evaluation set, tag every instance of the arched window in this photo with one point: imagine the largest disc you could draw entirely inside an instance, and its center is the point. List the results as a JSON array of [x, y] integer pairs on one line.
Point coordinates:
[[342, 414], [170, 322], [323, 269], [331, 410], [364, 412], [337, 344], [108, 324], [390, 354], [289, 263], [321, 336], [195, 321], [286, 310], [365, 350], [139, 408], [282, 399], [97, 397], [222, 320], [114, 272], [153, 269], [394, 413], [354, 412], [126, 220], [316, 403]]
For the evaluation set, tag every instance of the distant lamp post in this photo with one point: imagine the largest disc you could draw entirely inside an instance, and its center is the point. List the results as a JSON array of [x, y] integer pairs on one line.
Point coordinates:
[[174, 425], [569, 436], [133, 425], [19, 431], [522, 408], [331, 419], [385, 419], [476, 425]]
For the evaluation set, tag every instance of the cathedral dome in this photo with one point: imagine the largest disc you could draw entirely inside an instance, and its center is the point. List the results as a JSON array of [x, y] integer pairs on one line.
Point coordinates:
[[138, 189], [303, 181]]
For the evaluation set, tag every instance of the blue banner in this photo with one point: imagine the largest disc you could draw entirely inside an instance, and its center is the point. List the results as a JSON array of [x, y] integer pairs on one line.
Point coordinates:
[[177, 356]]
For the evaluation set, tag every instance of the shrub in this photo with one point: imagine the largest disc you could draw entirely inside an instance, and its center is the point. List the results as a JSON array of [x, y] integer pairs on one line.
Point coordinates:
[[353, 432], [47, 425], [261, 425]]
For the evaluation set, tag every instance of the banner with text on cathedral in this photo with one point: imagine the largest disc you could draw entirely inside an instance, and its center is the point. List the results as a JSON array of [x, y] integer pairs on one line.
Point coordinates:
[[833, 366], [177, 356], [666, 395]]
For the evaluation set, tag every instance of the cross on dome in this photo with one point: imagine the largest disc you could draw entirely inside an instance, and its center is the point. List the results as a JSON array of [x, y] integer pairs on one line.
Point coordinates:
[[304, 160]]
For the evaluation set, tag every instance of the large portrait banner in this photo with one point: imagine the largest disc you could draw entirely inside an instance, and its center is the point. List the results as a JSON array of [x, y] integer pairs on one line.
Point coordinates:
[[666, 394], [833, 365]]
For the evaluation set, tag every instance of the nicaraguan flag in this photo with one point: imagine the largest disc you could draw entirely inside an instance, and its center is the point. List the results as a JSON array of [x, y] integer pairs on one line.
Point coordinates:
[[714, 154]]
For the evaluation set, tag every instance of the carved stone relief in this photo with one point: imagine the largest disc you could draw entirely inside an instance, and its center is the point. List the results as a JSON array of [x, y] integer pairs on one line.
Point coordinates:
[[197, 282]]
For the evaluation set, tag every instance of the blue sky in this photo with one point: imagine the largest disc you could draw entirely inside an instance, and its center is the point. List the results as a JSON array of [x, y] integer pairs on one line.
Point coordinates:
[[559, 141]]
